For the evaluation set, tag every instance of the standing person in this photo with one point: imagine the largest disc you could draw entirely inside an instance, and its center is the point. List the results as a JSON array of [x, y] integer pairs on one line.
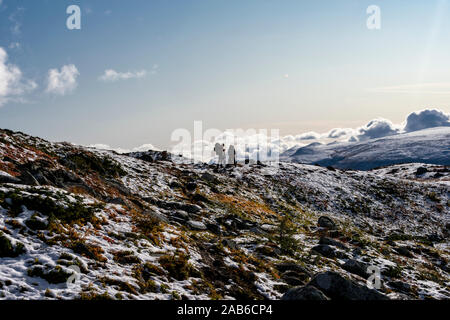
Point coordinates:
[[232, 155], [223, 161], [218, 148]]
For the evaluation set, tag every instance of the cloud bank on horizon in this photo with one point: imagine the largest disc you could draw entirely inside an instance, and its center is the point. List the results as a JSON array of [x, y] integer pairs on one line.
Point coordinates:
[[249, 146]]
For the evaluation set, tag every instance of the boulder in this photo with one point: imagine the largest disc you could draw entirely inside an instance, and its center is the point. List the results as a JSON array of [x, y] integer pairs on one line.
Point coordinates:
[[356, 267], [400, 286], [304, 293], [335, 286], [325, 250], [7, 178], [288, 266], [332, 242], [404, 252], [196, 225], [327, 223]]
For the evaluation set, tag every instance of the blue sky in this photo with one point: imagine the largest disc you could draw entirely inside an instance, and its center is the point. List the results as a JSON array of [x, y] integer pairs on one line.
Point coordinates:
[[293, 65]]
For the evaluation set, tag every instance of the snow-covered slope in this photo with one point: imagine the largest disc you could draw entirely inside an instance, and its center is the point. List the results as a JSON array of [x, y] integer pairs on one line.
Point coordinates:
[[143, 226], [425, 146]]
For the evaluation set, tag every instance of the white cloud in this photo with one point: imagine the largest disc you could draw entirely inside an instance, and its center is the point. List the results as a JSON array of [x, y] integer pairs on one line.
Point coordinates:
[[112, 75], [376, 128], [251, 142], [338, 133], [64, 81], [427, 118], [143, 148], [12, 84], [308, 136]]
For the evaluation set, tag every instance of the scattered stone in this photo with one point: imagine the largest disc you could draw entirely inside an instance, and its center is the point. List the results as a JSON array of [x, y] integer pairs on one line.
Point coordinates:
[[181, 214], [356, 267], [191, 187], [327, 223], [331, 242], [284, 267], [421, 170], [214, 228], [400, 286], [404, 252], [7, 178], [209, 177], [325, 250], [34, 223], [304, 293], [292, 279], [335, 286], [191, 208], [197, 225]]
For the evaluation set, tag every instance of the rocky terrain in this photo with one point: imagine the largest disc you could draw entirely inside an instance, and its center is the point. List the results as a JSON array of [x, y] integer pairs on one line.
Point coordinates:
[[80, 223]]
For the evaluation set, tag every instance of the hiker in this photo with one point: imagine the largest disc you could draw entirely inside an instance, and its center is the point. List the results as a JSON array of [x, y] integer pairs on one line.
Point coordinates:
[[231, 155], [223, 160], [220, 152]]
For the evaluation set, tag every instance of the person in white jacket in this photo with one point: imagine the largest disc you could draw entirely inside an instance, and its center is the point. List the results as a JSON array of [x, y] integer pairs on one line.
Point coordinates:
[[220, 152], [231, 155]]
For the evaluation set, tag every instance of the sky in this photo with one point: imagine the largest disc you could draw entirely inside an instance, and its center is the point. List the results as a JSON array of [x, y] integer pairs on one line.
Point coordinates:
[[138, 70]]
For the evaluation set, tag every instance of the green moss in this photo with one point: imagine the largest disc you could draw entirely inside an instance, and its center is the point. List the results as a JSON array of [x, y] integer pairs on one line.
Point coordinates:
[[126, 257], [286, 231], [55, 275], [121, 285], [69, 212], [94, 296], [90, 251], [178, 266], [393, 272], [88, 162], [433, 197], [35, 224], [8, 250]]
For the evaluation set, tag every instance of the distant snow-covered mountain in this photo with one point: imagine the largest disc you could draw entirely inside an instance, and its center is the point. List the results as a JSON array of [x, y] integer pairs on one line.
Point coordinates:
[[430, 146]]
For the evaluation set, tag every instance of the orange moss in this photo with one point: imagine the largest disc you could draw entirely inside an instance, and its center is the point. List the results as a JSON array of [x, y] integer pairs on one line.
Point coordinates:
[[249, 207]]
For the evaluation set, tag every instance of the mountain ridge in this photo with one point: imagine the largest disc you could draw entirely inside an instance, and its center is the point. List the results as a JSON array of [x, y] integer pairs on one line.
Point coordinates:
[[430, 146], [144, 226]]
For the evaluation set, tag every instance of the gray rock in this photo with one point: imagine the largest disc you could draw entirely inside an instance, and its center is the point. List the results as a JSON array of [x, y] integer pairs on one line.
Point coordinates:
[[304, 293], [325, 250], [400, 286], [157, 215], [191, 208], [181, 214], [332, 242], [7, 178], [209, 177], [196, 225], [404, 252], [356, 267], [327, 223], [335, 286], [287, 266]]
